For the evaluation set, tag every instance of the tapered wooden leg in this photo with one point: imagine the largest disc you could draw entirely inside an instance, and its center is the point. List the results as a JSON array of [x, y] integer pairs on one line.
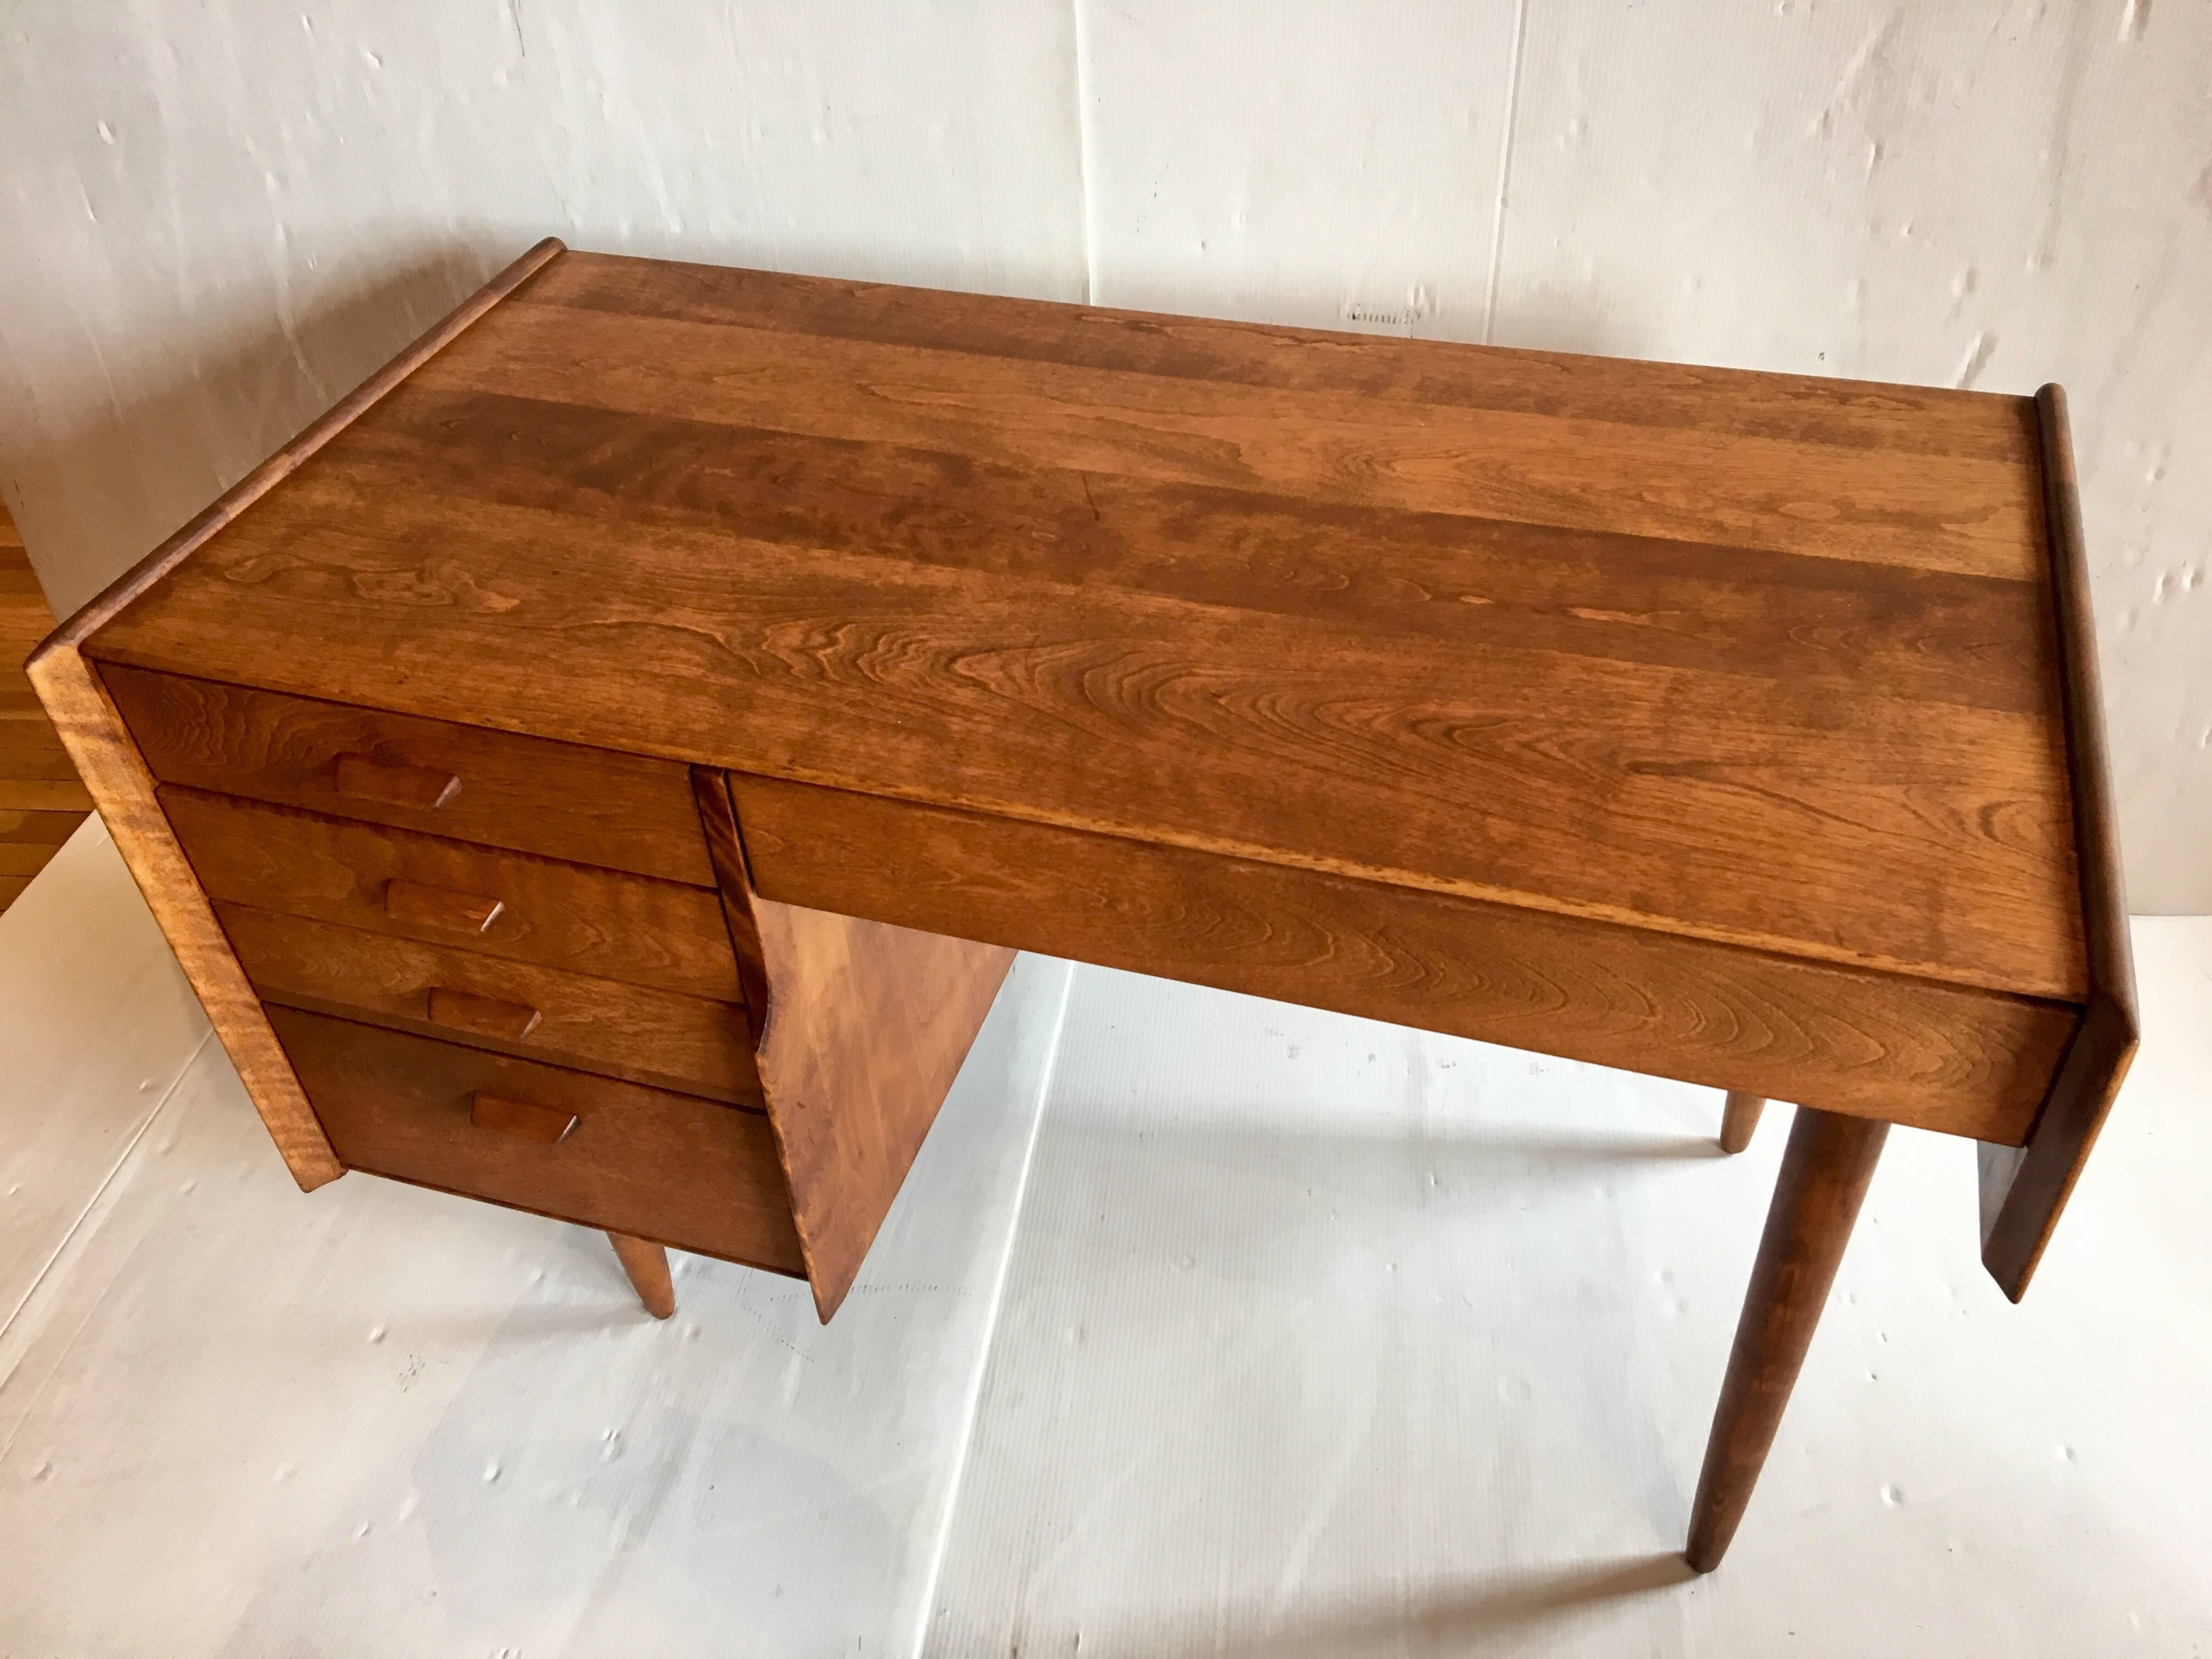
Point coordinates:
[[648, 1267], [1825, 1171], [1738, 1119]]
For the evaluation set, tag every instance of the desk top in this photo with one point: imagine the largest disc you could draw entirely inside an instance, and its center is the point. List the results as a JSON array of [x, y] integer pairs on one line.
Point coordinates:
[[1749, 658]]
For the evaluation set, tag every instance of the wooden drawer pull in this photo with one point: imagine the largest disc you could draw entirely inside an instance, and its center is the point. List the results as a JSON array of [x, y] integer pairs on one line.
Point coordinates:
[[421, 787], [464, 1011], [521, 1118], [419, 906]]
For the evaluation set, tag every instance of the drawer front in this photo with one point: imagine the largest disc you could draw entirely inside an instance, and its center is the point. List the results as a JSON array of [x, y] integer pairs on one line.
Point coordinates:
[[658, 1038], [683, 1172], [527, 794], [597, 922]]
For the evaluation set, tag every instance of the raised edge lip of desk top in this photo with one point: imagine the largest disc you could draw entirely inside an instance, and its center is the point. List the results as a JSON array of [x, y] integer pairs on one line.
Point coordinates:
[[1750, 658]]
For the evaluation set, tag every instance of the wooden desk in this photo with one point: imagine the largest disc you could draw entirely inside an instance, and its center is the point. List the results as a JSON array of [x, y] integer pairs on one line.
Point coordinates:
[[1738, 728]]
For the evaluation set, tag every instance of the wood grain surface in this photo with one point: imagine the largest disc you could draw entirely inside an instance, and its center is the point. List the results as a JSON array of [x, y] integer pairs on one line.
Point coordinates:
[[116, 777], [586, 805], [30, 840], [1740, 1117], [37, 828], [1937, 1056], [115, 773], [1734, 658], [23, 858], [2023, 1193], [866, 1027], [42, 800], [441, 912], [658, 1038], [1723, 403], [647, 1266], [35, 773], [549, 1125], [478, 1015], [654, 1164], [718, 822], [601, 923], [1824, 1171]]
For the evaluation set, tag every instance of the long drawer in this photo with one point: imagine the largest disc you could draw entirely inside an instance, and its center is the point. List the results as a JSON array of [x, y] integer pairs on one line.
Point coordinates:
[[599, 922], [527, 794], [691, 1173], [660, 1038]]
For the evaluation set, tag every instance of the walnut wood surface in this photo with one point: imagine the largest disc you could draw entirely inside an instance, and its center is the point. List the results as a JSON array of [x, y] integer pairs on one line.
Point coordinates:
[[1740, 1117], [2023, 1193], [655, 1165], [42, 800], [658, 1038], [1937, 1056], [1702, 653], [648, 1267], [1825, 1171], [598, 922], [117, 780], [586, 805], [866, 1026]]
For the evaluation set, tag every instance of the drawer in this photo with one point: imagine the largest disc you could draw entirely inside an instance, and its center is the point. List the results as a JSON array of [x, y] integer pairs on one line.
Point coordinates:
[[667, 1167], [660, 1038], [597, 922], [527, 794]]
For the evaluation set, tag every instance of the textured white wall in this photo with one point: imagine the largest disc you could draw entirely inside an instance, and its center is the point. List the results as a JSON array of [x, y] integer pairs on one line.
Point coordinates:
[[218, 216]]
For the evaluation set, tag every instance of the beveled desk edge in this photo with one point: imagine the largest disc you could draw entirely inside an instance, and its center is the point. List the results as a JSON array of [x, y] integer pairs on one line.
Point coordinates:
[[2024, 1190], [93, 730]]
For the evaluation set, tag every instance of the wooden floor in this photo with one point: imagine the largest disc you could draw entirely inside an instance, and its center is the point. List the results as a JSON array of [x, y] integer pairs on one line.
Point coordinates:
[[41, 802], [1205, 1326]]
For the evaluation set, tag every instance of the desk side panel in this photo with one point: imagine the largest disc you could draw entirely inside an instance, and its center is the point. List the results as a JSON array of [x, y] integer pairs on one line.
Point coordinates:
[[863, 1028], [2024, 1193], [1871, 1045], [123, 788]]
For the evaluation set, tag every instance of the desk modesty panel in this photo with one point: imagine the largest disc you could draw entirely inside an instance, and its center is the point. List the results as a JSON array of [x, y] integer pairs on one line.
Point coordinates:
[[775, 652]]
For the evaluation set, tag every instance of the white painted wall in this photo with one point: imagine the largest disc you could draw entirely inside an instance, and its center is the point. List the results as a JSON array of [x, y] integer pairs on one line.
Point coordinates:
[[216, 217]]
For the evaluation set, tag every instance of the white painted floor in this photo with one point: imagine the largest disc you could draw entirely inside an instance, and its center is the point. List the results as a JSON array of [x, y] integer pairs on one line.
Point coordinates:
[[1205, 1326]]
